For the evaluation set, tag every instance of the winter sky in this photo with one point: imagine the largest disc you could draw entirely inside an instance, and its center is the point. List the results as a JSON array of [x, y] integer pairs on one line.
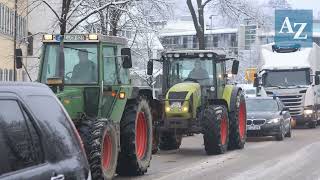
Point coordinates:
[[307, 4]]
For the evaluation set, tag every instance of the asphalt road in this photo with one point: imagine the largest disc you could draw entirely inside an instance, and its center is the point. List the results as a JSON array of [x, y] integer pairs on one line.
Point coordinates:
[[295, 158]]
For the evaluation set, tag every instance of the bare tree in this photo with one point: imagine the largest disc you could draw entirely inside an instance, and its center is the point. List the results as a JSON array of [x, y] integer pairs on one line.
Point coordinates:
[[233, 9], [72, 14]]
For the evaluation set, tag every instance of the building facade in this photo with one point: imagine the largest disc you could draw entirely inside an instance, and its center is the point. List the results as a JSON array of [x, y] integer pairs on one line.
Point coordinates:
[[7, 35]]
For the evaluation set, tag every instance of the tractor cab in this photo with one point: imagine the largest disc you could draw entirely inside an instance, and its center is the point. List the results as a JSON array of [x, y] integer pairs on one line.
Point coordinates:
[[205, 67], [79, 67]]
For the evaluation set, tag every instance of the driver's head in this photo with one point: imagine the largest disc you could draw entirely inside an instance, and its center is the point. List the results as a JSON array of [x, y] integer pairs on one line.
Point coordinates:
[[197, 65], [83, 55]]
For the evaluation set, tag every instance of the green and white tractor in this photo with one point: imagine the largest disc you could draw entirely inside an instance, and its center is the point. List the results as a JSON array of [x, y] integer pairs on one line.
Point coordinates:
[[90, 75], [198, 99]]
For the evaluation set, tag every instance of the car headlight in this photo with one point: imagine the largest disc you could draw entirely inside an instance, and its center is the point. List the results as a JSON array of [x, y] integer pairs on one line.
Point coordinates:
[[308, 111], [275, 120]]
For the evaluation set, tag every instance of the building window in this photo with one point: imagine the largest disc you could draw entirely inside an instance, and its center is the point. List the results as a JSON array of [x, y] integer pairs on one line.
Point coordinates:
[[1, 18], [233, 40], [5, 75], [1, 75], [176, 40], [185, 42], [10, 75], [195, 42], [215, 41], [7, 22]]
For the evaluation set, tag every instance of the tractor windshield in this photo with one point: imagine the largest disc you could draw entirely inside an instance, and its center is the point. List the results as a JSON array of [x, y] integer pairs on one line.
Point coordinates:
[[80, 63], [194, 69]]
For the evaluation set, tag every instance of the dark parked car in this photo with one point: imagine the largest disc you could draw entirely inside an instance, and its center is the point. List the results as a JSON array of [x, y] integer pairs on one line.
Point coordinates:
[[38, 141], [267, 116]]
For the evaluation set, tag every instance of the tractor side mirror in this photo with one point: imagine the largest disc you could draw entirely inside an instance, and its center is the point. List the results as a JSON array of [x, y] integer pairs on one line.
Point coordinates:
[[150, 68], [127, 60], [18, 58], [235, 67], [317, 78], [256, 80]]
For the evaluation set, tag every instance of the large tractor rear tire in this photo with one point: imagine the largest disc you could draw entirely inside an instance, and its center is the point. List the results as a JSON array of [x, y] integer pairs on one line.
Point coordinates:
[[238, 122], [215, 129], [170, 141], [136, 139], [101, 145]]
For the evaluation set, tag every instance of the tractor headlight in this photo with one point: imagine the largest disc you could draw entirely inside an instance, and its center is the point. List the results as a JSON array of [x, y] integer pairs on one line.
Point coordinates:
[[308, 111], [185, 109], [275, 120], [168, 109]]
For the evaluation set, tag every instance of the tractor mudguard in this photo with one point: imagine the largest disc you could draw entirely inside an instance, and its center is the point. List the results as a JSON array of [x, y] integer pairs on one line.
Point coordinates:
[[229, 95]]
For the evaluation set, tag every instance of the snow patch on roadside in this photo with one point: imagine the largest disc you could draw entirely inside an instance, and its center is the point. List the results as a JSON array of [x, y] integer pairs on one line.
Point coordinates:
[[286, 166]]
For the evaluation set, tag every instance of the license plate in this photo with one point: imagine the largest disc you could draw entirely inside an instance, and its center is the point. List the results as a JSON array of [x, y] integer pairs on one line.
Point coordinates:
[[253, 127], [176, 105]]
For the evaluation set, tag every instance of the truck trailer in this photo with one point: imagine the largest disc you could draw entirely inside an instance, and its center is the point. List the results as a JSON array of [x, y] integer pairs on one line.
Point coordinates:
[[291, 73]]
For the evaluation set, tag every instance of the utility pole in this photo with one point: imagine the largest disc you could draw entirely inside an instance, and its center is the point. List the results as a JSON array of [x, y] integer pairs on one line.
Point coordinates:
[[15, 41]]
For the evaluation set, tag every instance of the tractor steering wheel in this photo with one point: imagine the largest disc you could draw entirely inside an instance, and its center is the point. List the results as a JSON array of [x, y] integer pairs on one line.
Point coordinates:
[[68, 76]]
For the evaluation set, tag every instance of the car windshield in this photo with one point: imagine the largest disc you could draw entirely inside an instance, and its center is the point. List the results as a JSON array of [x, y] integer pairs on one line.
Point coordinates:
[[80, 63], [262, 105], [286, 78], [184, 69]]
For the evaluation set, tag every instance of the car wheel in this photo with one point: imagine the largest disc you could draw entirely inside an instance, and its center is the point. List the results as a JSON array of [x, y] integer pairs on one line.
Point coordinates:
[[281, 134], [289, 131]]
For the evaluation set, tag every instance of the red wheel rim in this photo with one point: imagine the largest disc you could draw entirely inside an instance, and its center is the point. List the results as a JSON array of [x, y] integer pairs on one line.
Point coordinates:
[[106, 152], [224, 129], [141, 135], [242, 120]]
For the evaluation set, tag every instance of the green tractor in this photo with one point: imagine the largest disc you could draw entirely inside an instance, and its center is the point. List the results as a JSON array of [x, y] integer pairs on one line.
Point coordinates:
[[198, 99], [90, 76]]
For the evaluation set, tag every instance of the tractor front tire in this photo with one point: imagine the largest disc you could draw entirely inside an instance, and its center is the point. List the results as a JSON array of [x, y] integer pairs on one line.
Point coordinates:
[[238, 123], [170, 141], [215, 129], [135, 139], [101, 145]]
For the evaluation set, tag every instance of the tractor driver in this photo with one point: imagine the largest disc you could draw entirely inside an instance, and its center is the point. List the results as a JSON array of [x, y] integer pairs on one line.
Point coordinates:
[[85, 71], [198, 73]]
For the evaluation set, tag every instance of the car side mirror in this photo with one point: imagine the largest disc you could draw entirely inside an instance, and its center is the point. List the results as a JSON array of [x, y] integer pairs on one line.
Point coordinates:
[[150, 68], [235, 67], [18, 58], [127, 60], [317, 78]]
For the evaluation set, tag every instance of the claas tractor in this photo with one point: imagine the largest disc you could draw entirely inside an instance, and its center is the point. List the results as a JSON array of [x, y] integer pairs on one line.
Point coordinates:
[[90, 75], [196, 98]]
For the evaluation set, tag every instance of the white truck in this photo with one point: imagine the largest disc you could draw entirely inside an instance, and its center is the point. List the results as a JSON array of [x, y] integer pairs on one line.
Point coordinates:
[[292, 74]]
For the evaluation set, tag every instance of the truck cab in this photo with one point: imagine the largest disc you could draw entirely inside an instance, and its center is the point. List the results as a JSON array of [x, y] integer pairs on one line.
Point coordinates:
[[290, 74]]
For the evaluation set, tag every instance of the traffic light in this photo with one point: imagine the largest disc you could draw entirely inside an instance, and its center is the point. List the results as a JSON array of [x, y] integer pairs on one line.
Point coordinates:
[[18, 58]]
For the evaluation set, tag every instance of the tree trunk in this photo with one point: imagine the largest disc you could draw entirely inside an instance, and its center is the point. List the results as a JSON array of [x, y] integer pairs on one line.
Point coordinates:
[[201, 41], [198, 22]]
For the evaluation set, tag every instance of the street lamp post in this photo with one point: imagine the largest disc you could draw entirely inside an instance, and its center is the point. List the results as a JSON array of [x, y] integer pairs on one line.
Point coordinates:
[[15, 41]]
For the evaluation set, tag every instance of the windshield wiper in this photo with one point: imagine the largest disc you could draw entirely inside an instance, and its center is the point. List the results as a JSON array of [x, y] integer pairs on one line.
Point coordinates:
[[86, 51]]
